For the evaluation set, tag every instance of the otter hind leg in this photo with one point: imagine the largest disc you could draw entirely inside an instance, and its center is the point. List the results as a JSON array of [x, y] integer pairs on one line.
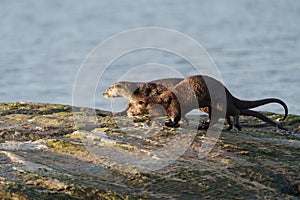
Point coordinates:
[[237, 123], [233, 111], [229, 122]]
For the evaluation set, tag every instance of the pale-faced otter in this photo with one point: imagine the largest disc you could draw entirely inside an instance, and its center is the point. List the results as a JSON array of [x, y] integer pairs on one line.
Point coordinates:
[[193, 93]]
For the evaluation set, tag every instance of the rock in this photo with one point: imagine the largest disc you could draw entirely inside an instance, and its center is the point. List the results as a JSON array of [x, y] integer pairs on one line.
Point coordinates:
[[50, 151]]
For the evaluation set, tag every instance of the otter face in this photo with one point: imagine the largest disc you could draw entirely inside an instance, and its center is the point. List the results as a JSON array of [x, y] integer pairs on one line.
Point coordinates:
[[144, 106], [140, 107], [115, 90], [121, 89]]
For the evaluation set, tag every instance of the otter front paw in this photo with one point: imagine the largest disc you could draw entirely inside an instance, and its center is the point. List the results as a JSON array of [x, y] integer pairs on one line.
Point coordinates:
[[169, 123], [204, 125]]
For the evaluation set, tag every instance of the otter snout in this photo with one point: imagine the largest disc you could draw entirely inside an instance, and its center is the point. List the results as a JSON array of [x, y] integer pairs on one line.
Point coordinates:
[[106, 94]]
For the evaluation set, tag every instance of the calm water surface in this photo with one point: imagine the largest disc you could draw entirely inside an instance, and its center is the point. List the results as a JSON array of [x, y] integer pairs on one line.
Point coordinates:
[[255, 44]]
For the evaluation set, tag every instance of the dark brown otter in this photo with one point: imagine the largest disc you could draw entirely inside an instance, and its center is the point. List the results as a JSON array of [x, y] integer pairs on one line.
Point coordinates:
[[196, 92]]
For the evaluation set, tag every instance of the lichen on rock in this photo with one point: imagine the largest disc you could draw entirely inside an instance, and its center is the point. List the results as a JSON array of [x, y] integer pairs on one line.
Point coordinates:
[[45, 154]]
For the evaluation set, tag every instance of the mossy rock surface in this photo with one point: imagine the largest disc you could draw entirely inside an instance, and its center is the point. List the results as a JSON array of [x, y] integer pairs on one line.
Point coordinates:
[[47, 153]]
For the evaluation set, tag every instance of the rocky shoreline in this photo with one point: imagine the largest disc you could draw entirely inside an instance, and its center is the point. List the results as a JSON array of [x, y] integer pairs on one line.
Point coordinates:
[[44, 154]]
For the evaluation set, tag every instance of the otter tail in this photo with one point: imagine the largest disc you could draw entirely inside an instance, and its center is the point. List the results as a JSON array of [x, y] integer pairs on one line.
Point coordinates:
[[262, 117], [242, 104]]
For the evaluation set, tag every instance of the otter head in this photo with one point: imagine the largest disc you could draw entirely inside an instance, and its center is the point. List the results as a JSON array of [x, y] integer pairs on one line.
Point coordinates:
[[120, 89], [138, 107], [146, 105], [115, 90]]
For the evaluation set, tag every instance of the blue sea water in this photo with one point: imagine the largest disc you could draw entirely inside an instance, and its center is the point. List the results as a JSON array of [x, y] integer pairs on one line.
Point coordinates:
[[255, 44]]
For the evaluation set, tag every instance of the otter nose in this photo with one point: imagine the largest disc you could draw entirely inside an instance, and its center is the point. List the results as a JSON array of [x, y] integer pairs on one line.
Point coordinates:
[[105, 94]]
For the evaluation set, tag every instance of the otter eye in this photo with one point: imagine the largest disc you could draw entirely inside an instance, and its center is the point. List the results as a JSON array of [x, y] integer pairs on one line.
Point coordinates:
[[141, 102]]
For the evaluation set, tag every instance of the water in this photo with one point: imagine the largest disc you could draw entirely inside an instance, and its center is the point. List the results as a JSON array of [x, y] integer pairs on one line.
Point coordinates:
[[255, 44]]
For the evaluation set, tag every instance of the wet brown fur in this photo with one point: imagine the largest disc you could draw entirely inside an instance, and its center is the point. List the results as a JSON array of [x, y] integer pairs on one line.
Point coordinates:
[[196, 92]]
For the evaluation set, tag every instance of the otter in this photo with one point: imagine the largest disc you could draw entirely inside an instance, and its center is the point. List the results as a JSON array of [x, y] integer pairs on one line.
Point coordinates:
[[195, 92]]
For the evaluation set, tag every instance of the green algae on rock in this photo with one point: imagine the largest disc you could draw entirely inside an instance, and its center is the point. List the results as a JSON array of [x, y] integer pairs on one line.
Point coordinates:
[[43, 155]]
